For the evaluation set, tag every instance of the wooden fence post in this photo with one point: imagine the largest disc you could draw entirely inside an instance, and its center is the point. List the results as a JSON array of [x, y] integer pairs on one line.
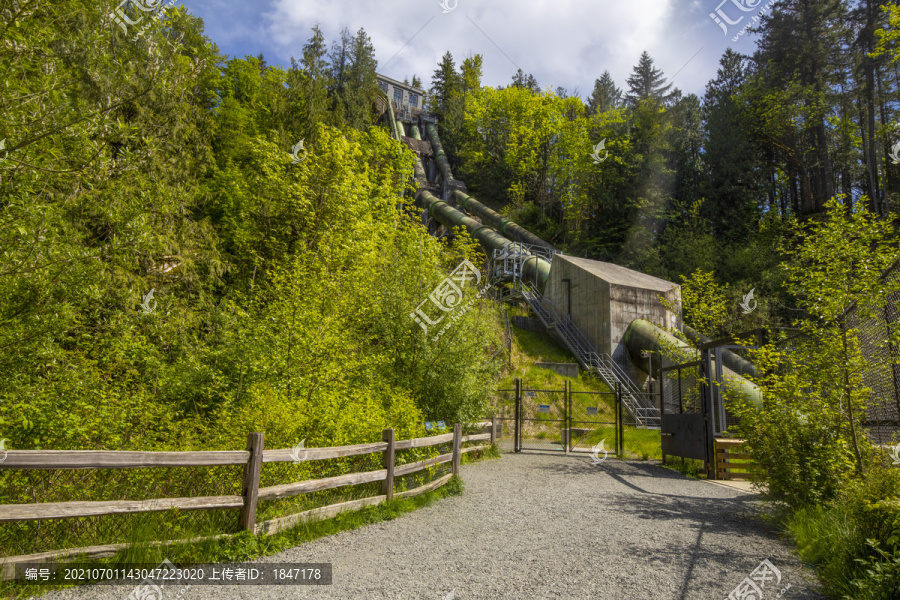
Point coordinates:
[[387, 461], [493, 430], [250, 487], [457, 447], [567, 422]]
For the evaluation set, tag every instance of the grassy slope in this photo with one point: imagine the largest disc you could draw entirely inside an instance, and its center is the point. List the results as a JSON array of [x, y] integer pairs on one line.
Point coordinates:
[[530, 347]]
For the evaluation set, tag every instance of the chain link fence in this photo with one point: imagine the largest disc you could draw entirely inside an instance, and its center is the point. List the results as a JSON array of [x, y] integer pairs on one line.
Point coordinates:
[[681, 390], [882, 375]]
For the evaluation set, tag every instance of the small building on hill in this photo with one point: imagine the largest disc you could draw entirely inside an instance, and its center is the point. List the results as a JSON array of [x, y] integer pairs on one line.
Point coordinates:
[[408, 102], [602, 299]]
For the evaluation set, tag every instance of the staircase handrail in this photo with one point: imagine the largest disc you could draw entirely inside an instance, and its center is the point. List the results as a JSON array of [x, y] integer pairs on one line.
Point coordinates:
[[621, 374], [592, 360], [585, 350]]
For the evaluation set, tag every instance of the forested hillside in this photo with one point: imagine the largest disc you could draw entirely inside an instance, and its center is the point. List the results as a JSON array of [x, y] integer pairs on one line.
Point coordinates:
[[281, 289], [171, 274], [686, 183], [195, 246]]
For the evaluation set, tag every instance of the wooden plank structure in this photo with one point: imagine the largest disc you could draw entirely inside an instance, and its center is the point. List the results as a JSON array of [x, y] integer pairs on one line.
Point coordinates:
[[727, 450], [252, 460]]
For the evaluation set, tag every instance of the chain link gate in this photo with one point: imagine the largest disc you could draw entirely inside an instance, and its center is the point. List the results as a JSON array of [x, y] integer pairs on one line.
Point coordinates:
[[595, 418], [693, 406], [683, 412], [506, 411], [543, 419], [559, 420]]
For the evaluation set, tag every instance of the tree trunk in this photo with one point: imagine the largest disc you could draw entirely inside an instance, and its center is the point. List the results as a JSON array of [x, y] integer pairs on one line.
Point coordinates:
[[848, 392], [869, 67]]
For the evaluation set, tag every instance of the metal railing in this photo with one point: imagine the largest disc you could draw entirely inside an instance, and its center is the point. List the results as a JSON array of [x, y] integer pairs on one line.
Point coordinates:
[[510, 260]]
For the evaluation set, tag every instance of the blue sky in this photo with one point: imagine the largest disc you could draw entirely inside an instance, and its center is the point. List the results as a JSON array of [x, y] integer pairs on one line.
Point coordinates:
[[561, 42]]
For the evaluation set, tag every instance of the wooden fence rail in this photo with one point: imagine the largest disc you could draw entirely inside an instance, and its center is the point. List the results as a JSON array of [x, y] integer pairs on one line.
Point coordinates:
[[727, 450], [251, 494]]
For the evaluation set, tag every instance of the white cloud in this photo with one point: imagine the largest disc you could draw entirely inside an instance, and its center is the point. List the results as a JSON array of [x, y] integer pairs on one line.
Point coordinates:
[[565, 43]]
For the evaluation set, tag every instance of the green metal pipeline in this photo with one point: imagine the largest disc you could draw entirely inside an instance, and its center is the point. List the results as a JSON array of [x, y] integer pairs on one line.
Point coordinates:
[[643, 335], [415, 132], [733, 361], [396, 127], [439, 156], [535, 269], [508, 228], [419, 171]]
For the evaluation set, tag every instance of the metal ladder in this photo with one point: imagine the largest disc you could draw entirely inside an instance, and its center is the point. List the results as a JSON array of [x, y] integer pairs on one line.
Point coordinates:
[[643, 411]]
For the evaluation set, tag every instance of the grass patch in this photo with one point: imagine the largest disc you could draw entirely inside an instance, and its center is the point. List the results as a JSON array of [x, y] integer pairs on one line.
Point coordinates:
[[538, 346], [642, 444], [689, 467]]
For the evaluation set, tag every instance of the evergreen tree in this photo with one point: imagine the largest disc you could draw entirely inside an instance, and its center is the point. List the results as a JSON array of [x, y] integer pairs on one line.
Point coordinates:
[[313, 83], [790, 97], [527, 82], [471, 72], [446, 101], [606, 96], [363, 86], [340, 65], [445, 85], [734, 191], [647, 82]]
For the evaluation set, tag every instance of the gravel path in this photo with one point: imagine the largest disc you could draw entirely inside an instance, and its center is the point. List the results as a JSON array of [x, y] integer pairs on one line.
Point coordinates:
[[539, 526]]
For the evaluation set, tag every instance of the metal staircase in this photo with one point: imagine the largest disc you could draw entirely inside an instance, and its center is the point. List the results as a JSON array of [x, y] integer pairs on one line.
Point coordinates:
[[638, 403]]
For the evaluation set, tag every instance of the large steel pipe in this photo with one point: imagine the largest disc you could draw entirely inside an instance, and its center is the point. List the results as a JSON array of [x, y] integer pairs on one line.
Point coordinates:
[[439, 156], [643, 335], [419, 171], [535, 268], [733, 361], [510, 229]]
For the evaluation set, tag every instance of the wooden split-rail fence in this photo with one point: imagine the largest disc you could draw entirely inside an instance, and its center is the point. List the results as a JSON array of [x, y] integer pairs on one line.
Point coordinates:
[[252, 459], [727, 451]]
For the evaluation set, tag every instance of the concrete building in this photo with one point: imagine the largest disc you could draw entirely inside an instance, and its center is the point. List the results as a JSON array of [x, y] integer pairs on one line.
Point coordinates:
[[603, 299], [407, 101]]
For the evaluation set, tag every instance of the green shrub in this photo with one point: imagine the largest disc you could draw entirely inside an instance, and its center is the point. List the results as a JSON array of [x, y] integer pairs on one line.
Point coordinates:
[[854, 540], [880, 579]]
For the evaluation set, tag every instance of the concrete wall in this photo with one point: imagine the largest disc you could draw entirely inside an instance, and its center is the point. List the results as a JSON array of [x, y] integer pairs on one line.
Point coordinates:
[[629, 303], [564, 369], [590, 300]]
